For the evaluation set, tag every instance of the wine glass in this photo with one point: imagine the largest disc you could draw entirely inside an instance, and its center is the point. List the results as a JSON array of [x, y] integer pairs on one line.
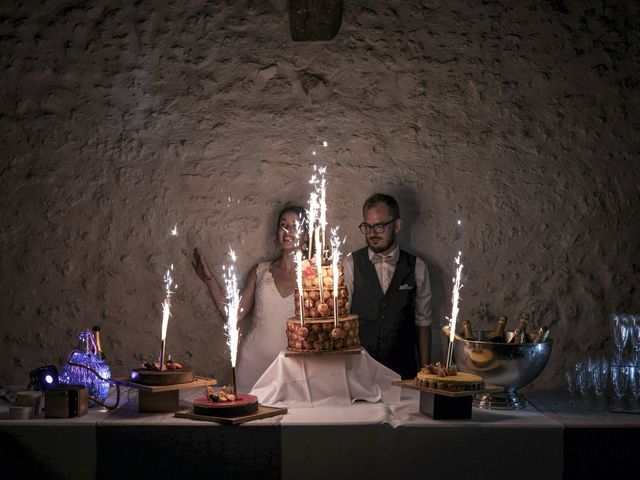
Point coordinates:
[[571, 377], [604, 372], [583, 372], [620, 332], [620, 380], [633, 326], [598, 381], [634, 382]]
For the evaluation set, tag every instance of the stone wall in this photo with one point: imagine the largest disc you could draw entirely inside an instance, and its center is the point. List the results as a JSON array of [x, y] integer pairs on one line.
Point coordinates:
[[121, 119]]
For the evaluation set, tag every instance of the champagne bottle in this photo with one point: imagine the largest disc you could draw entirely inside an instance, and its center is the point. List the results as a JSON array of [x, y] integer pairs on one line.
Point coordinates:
[[446, 330], [497, 335], [467, 330], [520, 333], [96, 336], [543, 335]]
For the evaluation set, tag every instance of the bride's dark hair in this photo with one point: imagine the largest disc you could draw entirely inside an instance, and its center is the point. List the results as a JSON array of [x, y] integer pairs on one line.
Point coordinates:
[[299, 211]]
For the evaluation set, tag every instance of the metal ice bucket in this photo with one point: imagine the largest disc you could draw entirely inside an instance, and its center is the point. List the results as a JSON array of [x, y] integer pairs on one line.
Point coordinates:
[[509, 365]]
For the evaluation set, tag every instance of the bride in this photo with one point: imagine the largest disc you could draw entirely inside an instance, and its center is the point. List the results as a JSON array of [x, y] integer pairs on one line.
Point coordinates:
[[268, 293]]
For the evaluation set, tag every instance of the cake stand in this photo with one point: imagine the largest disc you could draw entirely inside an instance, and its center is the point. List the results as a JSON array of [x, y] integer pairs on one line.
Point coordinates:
[[443, 404], [161, 398]]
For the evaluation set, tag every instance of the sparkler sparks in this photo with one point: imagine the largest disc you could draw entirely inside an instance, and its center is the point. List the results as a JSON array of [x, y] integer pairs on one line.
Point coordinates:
[[166, 304], [455, 298], [335, 258], [298, 261], [232, 308], [318, 205], [311, 217]]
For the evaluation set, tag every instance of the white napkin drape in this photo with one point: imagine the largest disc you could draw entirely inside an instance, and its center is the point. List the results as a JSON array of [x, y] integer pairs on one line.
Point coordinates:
[[335, 379]]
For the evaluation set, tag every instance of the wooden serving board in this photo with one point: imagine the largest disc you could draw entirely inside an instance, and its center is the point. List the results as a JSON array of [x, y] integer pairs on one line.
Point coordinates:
[[263, 412], [197, 382], [313, 353], [411, 384]]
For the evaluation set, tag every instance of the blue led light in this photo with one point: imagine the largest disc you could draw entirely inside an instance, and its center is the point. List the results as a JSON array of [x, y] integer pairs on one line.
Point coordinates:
[[48, 379]]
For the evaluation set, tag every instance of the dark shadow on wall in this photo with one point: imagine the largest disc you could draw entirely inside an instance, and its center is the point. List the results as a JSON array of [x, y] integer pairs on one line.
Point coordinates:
[[410, 211]]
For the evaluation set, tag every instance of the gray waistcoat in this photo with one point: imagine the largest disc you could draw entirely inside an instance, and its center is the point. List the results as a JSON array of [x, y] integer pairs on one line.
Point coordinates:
[[387, 321]]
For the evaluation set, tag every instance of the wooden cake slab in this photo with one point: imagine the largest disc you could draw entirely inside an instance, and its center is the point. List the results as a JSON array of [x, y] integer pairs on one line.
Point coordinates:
[[166, 377], [313, 353], [262, 412], [161, 398], [197, 382]]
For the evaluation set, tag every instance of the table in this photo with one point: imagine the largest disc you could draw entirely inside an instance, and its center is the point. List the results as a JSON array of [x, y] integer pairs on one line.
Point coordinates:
[[597, 443], [362, 440]]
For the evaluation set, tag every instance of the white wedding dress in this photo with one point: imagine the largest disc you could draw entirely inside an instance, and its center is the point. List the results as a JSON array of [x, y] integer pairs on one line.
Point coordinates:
[[267, 334]]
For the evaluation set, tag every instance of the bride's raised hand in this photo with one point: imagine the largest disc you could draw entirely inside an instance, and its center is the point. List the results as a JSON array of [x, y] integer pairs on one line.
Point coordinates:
[[201, 267]]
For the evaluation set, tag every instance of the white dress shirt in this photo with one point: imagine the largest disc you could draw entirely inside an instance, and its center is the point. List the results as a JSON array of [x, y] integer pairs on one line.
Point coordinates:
[[385, 271]]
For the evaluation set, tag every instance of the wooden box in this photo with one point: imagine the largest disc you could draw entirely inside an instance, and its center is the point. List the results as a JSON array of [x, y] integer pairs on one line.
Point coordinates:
[[66, 401]]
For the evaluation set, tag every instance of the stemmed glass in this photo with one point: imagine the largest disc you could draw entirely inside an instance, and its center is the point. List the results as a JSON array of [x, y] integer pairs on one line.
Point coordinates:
[[634, 382], [620, 332], [604, 372], [583, 372], [598, 380], [633, 327], [571, 378], [620, 380]]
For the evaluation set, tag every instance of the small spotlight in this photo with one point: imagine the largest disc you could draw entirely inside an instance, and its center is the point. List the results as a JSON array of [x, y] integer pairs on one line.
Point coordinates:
[[44, 378]]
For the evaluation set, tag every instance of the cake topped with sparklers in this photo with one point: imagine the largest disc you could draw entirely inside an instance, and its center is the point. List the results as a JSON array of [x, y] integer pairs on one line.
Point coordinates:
[[446, 376], [163, 372], [322, 322]]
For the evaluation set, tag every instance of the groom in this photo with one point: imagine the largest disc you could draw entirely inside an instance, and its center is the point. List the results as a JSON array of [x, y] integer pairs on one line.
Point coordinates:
[[390, 291]]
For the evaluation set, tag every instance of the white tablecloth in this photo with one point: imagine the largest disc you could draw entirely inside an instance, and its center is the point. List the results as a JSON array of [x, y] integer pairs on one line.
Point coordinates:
[[335, 380]]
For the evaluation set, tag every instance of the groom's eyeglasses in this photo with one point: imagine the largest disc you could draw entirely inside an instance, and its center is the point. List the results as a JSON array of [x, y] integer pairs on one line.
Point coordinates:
[[377, 228]]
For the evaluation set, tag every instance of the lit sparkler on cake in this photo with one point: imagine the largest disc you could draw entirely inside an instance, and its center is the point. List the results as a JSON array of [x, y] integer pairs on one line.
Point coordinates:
[[447, 376], [228, 402], [455, 298], [164, 372], [232, 310]]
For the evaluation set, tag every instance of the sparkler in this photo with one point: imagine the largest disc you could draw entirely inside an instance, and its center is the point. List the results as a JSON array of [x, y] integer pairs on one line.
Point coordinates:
[[311, 217], [232, 309], [323, 203], [455, 297], [298, 261], [318, 204], [166, 306], [335, 257], [166, 313], [319, 262], [318, 219]]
